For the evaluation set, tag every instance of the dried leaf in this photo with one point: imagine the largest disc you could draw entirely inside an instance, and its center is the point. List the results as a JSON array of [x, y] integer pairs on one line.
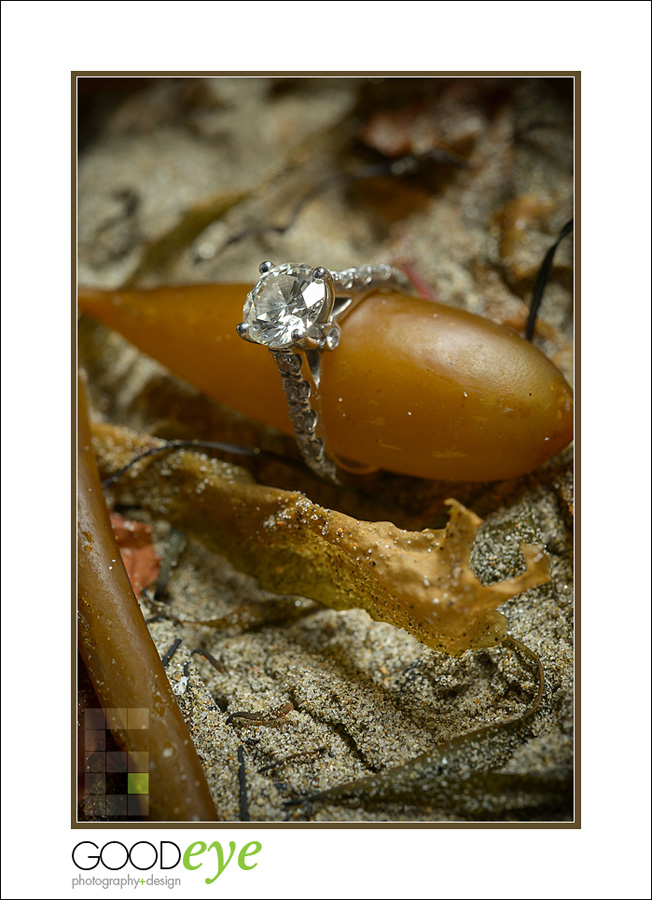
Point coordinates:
[[420, 581], [137, 551]]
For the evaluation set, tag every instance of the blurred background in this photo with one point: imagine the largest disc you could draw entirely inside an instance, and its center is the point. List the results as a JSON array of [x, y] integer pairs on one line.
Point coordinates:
[[466, 180]]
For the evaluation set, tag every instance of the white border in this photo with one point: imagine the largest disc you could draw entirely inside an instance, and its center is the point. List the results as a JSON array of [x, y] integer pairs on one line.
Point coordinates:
[[609, 43]]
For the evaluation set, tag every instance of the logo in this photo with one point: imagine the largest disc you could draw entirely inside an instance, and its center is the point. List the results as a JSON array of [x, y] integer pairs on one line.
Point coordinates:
[[143, 856]]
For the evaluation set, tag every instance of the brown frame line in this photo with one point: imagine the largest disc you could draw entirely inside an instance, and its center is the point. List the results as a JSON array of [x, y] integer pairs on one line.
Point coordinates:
[[576, 823]]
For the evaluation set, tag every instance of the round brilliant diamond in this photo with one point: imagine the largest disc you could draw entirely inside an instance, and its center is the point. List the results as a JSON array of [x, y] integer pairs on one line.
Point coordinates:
[[287, 299]]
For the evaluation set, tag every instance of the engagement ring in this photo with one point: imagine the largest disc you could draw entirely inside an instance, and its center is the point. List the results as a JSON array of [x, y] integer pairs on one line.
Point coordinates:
[[294, 310]]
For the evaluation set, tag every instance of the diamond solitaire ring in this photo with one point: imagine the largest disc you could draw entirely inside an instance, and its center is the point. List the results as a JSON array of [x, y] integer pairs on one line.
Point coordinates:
[[294, 310]]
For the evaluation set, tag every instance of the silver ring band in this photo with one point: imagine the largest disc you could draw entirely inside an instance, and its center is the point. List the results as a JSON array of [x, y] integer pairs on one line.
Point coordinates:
[[294, 310]]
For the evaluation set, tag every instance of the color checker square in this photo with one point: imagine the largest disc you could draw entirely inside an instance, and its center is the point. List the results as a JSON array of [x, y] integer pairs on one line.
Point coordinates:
[[94, 740], [137, 719], [116, 805], [138, 761], [138, 804], [138, 783], [94, 805], [94, 720], [116, 761], [116, 719], [95, 783], [94, 762]]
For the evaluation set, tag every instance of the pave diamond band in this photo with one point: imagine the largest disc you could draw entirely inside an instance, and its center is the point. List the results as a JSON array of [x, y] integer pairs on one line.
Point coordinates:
[[294, 310], [304, 418]]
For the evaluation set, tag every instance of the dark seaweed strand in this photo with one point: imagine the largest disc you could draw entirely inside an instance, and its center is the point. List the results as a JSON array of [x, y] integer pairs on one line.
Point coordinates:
[[222, 622], [270, 718], [302, 754], [174, 547], [542, 280], [510, 641], [242, 781], [264, 614], [188, 691], [521, 796], [216, 663], [409, 164], [170, 652], [234, 449], [437, 776]]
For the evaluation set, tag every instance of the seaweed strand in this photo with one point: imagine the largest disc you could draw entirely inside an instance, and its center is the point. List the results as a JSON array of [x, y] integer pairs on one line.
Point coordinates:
[[234, 449], [438, 775], [542, 280]]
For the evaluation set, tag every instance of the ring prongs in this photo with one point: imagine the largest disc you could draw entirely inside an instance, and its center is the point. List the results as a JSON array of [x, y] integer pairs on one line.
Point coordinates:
[[308, 340], [243, 330], [319, 273], [298, 337], [264, 267], [314, 342]]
